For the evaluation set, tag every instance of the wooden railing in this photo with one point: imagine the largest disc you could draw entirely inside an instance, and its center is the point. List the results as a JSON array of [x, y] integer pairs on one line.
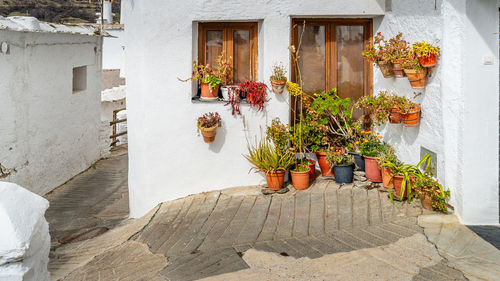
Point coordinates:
[[113, 123]]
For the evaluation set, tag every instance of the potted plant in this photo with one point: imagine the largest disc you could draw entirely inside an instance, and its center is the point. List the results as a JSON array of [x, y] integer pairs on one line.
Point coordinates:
[[377, 53], [426, 53], [271, 160], [387, 155], [405, 176], [225, 69], [377, 108], [369, 146], [343, 167], [431, 193], [410, 112], [254, 93], [278, 78], [300, 176], [398, 50], [395, 116], [208, 124], [415, 72]]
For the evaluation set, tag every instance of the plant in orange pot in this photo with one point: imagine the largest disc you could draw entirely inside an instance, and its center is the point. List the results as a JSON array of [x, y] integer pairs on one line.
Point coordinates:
[[273, 161], [431, 193], [387, 154], [369, 145], [410, 112], [415, 72], [426, 53], [378, 54], [398, 49], [300, 176], [207, 124], [278, 78]]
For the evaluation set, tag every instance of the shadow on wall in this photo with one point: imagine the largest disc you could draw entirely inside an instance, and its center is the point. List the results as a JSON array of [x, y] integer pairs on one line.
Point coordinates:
[[398, 133], [220, 139]]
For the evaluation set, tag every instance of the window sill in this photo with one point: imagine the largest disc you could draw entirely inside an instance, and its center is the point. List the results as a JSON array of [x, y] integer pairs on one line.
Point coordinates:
[[196, 99]]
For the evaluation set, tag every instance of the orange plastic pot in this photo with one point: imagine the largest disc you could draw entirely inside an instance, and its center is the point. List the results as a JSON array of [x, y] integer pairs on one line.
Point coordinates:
[[275, 180], [429, 61], [209, 134], [386, 69], [397, 69], [395, 115], [324, 166], [312, 170], [417, 78], [398, 181], [386, 177], [300, 180], [412, 118], [208, 92], [372, 169], [278, 85]]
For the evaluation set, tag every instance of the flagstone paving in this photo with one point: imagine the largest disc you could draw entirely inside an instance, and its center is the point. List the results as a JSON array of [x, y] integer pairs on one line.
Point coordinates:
[[328, 232]]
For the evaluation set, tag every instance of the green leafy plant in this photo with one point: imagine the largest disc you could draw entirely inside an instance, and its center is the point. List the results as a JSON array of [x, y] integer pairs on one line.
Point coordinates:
[[339, 159], [265, 157], [280, 134], [424, 49], [377, 52], [411, 61], [387, 154], [301, 168], [428, 186], [404, 105], [207, 74], [410, 174], [279, 72], [377, 108]]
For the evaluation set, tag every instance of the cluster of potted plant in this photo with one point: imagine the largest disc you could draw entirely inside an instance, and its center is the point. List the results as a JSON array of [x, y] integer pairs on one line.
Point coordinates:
[[395, 57], [278, 78], [254, 93], [389, 106], [207, 124]]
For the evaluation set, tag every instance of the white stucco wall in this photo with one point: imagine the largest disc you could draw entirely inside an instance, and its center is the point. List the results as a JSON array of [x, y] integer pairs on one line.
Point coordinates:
[[48, 134], [112, 49], [24, 239], [172, 162]]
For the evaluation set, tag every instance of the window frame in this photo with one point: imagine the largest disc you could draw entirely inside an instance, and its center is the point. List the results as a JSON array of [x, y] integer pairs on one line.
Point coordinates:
[[331, 53], [227, 42]]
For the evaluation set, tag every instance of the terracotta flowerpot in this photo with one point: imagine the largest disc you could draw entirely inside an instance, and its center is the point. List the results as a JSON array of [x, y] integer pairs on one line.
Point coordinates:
[[209, 134], [429, 61], [312, 170], [275, 180], [417, 78], [326, 169], [209, 93], [372, 169], [426, 201], [300, 180], [386, 177], [278, 85], [398, 181], [398, 70], [386, 69], [395, 115], [412, 118]]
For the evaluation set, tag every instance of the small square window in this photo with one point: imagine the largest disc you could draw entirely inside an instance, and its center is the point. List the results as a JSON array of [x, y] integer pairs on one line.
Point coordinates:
[[79, 79]]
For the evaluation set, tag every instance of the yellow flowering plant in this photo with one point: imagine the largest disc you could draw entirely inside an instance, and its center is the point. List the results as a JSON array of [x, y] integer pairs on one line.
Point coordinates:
[[369, 143], [424, 49]]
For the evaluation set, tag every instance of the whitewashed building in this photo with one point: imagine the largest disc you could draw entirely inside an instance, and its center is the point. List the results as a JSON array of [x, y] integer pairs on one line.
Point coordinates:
[[460, 105], [50, 86]]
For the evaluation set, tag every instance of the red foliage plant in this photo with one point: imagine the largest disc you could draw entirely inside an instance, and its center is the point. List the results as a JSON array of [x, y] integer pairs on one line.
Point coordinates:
[[256, 95]]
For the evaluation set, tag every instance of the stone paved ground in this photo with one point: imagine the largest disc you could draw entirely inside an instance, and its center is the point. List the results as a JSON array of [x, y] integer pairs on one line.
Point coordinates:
[[328, 232]]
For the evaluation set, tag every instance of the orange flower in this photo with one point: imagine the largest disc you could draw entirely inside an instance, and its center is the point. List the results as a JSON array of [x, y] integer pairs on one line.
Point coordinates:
[[369, 132], [357, 142], [380, 137], [366, 141], [362, 132], [331, 148]]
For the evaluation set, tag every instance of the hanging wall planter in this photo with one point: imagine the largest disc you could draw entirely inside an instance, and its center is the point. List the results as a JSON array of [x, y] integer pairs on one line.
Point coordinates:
[[207, 124], [429, 61], [412, 117], [427, 53], [386, 69], [417, 78], [278, 78], [397, 68], [395, 115]]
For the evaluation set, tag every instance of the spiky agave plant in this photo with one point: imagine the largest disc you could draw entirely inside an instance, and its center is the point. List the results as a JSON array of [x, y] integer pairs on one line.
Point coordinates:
[[266, 158]]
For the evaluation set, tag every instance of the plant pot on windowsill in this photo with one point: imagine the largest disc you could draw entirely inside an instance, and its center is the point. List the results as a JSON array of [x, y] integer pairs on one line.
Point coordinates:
[[372, 169], [275, 179], [417, 78], [412, 117], [208, 92], [397, 68], [225, 91], [278, 85], [300, 177], [386, 69]]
